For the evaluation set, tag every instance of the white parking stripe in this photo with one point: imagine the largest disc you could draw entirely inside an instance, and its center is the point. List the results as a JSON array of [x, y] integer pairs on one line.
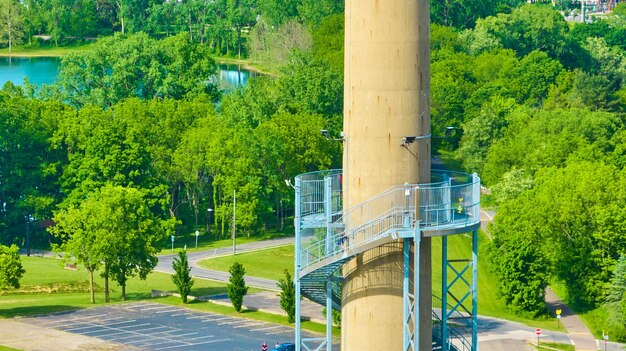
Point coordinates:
[[268, 328], [250, 325], [196, 317], [202, 343], [166, 311], [236, 321]]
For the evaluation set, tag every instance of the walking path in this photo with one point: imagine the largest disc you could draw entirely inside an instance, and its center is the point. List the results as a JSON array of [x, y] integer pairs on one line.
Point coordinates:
[[577, 330]]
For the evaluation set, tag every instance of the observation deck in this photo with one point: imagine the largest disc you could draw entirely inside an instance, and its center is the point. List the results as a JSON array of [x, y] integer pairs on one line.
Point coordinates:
[[327, 236]]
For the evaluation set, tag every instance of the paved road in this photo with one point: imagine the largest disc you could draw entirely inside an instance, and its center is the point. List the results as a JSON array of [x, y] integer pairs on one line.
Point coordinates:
[[165, 262]]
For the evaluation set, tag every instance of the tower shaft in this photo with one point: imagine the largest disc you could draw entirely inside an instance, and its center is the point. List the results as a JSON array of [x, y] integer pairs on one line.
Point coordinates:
[[386, 98]]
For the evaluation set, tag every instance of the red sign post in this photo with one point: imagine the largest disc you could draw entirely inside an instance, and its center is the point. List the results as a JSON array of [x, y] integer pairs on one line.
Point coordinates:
[[538, 332]]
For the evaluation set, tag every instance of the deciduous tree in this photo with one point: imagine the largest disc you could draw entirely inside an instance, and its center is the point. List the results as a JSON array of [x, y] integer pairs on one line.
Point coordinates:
[[11, 22]]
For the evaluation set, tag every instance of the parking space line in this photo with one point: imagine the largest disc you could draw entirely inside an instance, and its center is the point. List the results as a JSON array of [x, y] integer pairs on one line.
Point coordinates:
[[179, 335], [268, 328], [156, 328], [196, 317], [236, 321], [77, 329], [105, 328], [156, 307], [217, 319], [249, 325], [166, 311], [202, 343]]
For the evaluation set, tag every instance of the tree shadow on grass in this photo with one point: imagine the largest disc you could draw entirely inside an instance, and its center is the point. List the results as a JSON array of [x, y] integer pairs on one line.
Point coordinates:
[[35, 310], [208, 291]]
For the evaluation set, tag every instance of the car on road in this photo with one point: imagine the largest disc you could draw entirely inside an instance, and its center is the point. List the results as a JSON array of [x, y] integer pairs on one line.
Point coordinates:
[[285, 347]]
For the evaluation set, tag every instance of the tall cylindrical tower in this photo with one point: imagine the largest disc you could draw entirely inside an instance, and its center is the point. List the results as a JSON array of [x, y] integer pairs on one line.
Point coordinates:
[[387, 97]]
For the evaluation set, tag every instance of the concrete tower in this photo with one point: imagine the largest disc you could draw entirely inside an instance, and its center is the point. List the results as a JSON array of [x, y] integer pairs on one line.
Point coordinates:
[[387, 97]]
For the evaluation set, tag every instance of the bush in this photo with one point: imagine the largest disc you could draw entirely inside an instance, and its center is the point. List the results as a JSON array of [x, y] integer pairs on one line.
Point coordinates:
[[237, 288], [336, 317], [11, 270]]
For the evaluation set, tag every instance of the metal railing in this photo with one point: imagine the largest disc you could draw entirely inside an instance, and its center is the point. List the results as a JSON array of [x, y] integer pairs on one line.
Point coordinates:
[[452, 199]]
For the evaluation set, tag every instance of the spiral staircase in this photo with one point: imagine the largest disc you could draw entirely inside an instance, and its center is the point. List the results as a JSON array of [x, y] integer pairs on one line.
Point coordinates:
[[327, 236]]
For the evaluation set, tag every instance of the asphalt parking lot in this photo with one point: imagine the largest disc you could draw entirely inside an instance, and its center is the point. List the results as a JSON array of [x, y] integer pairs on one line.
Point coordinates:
[[153, 326]]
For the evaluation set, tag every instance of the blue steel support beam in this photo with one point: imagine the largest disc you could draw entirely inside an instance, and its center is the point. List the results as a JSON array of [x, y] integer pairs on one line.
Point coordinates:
[[416, 286], [297, 219], [329, 315], [475, 290], [406, 309], [328, 211], [444, 293]]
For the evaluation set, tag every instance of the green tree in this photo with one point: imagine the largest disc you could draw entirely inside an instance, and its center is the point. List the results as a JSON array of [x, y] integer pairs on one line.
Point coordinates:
[[29, 169], [277, 12], [287, 296], [133, 233], [113, 227], [236, 286], [311, 12], [121, 66], [241, 14], [464, 13], [79, 232], [11, 22], [11, 270], [182, 276], [480, 132], [517, 259]]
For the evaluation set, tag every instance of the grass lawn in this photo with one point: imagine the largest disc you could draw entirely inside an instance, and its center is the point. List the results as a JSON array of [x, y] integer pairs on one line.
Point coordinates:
[[549, 346], [47, 51], [269, 264], [6, 348], [41, 273]]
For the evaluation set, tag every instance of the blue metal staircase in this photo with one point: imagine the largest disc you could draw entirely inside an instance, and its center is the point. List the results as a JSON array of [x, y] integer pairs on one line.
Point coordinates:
[[327, 236]]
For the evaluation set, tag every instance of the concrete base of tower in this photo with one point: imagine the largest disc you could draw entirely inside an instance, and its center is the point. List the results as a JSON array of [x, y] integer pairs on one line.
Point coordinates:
[[372, 312]]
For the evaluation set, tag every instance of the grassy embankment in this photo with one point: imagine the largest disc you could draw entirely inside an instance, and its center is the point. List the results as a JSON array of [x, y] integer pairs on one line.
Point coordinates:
[[44, 51], [551, 346], [271, 264]]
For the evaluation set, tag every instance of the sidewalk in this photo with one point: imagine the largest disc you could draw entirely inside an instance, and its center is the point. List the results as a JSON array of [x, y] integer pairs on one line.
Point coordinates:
[[578, 332]]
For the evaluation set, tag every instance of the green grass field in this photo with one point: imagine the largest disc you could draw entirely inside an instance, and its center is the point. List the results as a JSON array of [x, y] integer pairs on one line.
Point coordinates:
[[550, 346], [269, 264], [43, 272], [44, 51]]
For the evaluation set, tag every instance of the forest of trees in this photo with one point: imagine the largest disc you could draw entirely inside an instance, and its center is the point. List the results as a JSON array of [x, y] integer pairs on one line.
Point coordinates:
[[538, 102]]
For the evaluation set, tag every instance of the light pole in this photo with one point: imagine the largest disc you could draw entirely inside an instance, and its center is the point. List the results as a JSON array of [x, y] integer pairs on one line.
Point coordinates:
[[208, 221], [234, 221], [197, 234], [28, 236], [172, 244]]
